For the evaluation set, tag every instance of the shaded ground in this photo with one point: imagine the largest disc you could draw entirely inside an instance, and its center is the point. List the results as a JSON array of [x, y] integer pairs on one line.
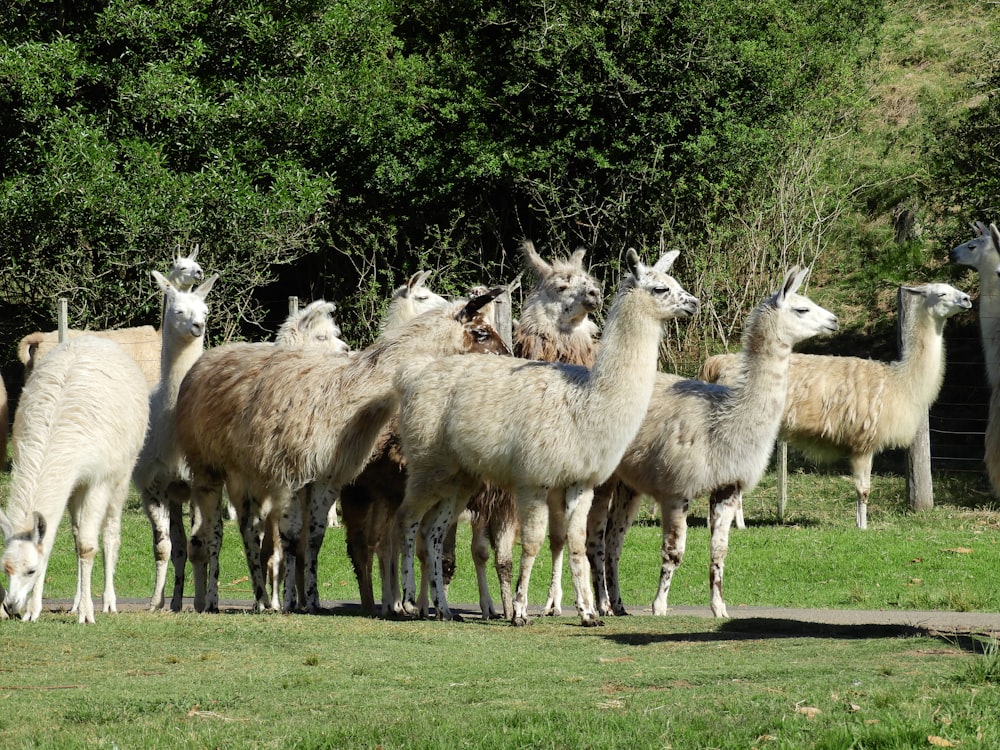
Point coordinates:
[[750, 621]]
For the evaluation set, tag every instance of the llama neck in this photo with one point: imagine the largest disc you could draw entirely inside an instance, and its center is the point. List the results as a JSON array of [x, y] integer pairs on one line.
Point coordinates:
[[989, 324], [176, 358], [620, 384], [920, 372], [759, 399]]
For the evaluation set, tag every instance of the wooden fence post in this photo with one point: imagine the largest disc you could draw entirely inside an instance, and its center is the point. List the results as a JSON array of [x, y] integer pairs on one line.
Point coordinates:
[[919, 487], [63, 319], [781, 469]]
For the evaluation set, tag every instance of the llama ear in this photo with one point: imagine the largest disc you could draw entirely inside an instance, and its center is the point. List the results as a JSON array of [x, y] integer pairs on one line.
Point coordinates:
[[194, 253], [475, 304], [206, 286], [577, 257], [995, 234], [417, 279], [161, 281], [38, 532], [634, 262], [538, 263], [794, 277], [666, 261]]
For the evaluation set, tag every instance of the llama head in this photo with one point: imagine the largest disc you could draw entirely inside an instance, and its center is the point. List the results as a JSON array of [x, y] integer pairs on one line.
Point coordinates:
[[313, 326], [476, 317], [411, 300], [185, 272], [565, 293], [667, 295], [982, 252], [941, 301], [23, 562], [794, 316], [185, 313]]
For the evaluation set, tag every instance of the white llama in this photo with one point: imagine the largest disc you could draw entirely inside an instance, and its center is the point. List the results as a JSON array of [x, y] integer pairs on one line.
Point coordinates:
[[161, 475], [983, 254], [853, 407], [141, 342], [560, 426], [698, 438], [263, 420], [78, 428]]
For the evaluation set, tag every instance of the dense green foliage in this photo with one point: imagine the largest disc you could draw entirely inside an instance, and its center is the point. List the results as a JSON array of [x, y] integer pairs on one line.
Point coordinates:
[[335, 146]]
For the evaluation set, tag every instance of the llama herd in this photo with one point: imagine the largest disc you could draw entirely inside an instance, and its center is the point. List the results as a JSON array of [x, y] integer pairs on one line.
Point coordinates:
[[559, 429]]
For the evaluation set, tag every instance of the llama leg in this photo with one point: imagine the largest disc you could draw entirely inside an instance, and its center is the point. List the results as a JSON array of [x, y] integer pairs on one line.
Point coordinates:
[[34, 607], [673, 517], [597, 521], [249, 517], [624, 509], [480, 557], [557, 544], [503, 531], [740, 521], [722, 510], [178, 549], [320, 498], [206, 498], [579, 499], [534, 514], [86, 534], [331, 517], [290, 534], [434, 529], [112, 541], [861, 468], [155, 503]]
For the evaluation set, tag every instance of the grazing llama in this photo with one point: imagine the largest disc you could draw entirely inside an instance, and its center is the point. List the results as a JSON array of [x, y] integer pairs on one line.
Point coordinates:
[[848, 406], [264, 422], [161, 475], [78, 428], [983, 254], [561, 427], [141, 342], [698, 438]]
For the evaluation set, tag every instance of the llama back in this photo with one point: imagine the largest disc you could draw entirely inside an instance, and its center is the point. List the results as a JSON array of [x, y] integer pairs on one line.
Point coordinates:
[[82, 414]]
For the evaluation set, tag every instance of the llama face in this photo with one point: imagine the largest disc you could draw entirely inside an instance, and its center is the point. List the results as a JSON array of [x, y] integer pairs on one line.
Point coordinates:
[[23, 563], [942, 300], [185, 272], [980, 253], [668, 295], [420, 298], [186, 313], [566, 293], [315, 328], [799, 318]]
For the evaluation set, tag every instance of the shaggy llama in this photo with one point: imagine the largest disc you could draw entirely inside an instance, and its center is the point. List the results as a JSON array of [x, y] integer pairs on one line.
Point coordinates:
[[562, 427], [160, 474], [141, 342], [698, 438], [848, 406], [263, 421], [79, 426]]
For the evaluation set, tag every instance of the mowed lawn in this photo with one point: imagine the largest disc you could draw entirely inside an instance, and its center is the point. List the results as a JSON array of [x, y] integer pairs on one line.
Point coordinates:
[[143, 679]]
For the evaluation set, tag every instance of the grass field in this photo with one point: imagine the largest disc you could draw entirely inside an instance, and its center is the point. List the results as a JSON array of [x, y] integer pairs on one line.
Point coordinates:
[[239, 680]]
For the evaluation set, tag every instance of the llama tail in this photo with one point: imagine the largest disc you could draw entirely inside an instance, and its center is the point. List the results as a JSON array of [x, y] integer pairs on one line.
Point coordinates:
[[26, 349]]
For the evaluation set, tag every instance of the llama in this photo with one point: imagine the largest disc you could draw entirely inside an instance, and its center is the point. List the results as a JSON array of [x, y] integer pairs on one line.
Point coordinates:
[[79, 426], [983, 254], [554, 326], [848, 406], [263, 421], [698, 438], [408, 301], [141, 342], [160, 475], [563, 426], [313, 325]]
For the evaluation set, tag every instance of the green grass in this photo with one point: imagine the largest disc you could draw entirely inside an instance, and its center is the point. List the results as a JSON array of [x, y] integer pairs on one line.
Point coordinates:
[[240, 680]]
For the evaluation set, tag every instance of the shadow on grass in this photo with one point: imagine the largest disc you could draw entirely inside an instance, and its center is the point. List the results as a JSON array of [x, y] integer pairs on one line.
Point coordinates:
[[766, 628]]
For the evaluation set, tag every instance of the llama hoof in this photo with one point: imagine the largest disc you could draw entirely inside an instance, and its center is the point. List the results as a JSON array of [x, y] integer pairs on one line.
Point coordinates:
[[520, 622]]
